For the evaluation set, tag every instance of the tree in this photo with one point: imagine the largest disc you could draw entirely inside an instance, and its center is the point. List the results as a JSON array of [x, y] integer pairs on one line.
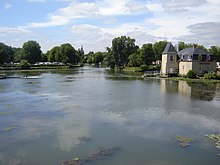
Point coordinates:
[[98, 57], [109, 59], [54, 54], [122, 47], [31, 52], [135, 59], [69, 54], [147, 55], [158, 48], [215, 50], [18, 54], [6, 53]]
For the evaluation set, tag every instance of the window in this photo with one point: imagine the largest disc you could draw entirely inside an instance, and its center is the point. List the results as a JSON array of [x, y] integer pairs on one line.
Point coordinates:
[[190, 57], [171, 57], [200, 57]]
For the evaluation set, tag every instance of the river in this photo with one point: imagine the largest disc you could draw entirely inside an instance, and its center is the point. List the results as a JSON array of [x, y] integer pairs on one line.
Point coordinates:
[[61, 115]]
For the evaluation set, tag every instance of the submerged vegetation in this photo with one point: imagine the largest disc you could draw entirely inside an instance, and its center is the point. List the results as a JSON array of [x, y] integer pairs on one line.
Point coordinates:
[[101, 153], [184, 141], [216, 139]]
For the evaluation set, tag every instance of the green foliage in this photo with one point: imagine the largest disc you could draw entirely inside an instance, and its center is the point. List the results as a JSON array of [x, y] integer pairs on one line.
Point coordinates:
[[109, 59], [31, 52], [24, 65], [121, 48], [144, 67], [215, 50], [212, 75], [158, 48], [6, 53], [191, 74], [182, 45], [147, 55]]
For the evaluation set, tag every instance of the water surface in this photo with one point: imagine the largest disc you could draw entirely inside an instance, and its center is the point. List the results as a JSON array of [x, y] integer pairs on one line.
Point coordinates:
[[60, 115]]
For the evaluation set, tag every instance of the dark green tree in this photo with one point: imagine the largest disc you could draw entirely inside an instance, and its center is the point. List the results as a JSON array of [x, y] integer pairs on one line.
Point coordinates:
[[31, 52], [135, 59], [147, 55], [6, 53], [215, 50], [109, 59], [98, 57], [158, 48], [69, 54], [18, 54], [122, 47]]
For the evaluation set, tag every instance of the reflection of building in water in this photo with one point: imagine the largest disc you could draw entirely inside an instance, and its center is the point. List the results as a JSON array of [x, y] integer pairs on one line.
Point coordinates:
[[169, 86], [201, 91], [184, 89]]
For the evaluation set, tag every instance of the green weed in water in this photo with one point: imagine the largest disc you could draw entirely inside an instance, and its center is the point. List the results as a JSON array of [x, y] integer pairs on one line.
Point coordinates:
[[184, 141]]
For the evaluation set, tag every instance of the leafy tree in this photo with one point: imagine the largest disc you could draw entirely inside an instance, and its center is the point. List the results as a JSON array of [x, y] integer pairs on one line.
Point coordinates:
[[90, 57], [215, 50], [182, 45], [69, 54], [24, 64], [31, 52], [158, 48], [147, 55], [122, 47], [98, 57], [54, 54], [18, 54], [6, 53], [135, 59], [109, 59]]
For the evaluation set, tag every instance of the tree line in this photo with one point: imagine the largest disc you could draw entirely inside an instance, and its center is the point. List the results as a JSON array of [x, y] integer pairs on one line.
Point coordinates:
[[123, 52]]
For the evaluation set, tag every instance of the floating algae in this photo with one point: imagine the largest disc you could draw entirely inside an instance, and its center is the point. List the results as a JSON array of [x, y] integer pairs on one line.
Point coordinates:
[[184, 141], [7, 129], [101, 153], [216, 139]]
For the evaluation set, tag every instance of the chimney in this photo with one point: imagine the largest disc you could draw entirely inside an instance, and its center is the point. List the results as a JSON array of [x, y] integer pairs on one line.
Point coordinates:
[[177, 47]]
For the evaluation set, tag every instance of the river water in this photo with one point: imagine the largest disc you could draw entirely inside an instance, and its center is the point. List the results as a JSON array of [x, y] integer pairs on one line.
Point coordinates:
[[60, 115]]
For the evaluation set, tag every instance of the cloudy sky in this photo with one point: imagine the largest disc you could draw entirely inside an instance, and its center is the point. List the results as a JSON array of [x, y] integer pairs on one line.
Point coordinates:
[[94, 23]]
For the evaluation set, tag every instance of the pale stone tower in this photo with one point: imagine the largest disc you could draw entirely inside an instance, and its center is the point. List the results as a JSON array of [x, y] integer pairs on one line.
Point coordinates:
[[169, 64]]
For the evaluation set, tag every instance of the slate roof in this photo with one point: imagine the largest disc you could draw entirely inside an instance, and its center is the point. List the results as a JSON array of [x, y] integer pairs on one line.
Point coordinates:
[[169, 48], [192, 51]]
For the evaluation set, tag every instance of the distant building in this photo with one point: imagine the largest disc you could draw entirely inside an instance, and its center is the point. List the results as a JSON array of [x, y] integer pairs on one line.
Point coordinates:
[[196, 59]]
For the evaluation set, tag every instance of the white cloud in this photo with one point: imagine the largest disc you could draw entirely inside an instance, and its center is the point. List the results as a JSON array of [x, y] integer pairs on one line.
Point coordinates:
[[7, 6], [13, 30], [207, 37]]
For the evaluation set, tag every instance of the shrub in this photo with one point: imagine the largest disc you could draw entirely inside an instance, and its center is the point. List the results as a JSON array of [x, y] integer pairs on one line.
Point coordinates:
[[144, 67], [211, 75], [24, 65], [191, 74]]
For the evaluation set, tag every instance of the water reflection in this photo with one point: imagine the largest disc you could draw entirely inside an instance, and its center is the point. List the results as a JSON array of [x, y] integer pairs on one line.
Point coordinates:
[[197, 91]]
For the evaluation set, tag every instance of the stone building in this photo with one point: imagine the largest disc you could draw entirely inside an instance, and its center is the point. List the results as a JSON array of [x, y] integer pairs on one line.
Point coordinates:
[[197, 59]]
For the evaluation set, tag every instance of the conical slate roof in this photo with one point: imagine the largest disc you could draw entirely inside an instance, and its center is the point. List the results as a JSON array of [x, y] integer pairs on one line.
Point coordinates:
[[169, 49]]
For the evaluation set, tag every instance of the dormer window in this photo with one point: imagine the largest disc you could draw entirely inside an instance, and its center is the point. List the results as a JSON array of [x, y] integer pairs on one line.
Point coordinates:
[[189, 57], [200, 57], [208, 57]]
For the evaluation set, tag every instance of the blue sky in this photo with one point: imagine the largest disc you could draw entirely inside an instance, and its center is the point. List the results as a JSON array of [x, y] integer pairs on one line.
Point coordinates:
[[94, 23]]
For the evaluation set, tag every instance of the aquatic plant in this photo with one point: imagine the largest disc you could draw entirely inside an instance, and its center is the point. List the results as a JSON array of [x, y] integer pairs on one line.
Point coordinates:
[[184, 141], [101, 153], [7, 129], [216, 139]]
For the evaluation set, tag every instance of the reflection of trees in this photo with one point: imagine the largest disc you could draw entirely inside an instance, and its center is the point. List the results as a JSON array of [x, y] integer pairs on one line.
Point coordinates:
[[202, 91]]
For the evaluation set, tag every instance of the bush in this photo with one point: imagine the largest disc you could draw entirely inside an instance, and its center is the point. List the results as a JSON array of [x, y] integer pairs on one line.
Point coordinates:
[[24, 65], [144, 67], [191, 74], [211, 75]]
